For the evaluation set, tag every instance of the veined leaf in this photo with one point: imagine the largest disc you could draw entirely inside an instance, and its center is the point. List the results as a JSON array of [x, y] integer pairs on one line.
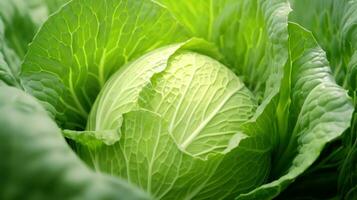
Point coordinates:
[[90, 40]]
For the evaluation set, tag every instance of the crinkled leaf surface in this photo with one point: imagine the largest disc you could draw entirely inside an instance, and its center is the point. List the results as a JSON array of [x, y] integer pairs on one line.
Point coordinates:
[[167, 81], [122, 91], [204, 102], [333, 24], [320, 112]]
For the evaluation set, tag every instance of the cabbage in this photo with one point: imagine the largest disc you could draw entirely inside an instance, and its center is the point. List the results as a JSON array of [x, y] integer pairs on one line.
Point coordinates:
[[172, 99]]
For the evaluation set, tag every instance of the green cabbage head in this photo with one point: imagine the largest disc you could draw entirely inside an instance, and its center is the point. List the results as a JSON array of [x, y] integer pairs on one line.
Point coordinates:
[[178, 112]]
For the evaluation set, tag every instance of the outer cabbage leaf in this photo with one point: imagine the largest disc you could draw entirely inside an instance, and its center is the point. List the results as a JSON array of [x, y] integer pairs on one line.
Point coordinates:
[[333, 24], [39, 164], [89, 41], [320, 112]]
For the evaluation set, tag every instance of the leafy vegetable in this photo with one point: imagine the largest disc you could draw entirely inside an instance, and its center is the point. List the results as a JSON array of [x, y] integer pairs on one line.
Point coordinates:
[[181, 99]]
